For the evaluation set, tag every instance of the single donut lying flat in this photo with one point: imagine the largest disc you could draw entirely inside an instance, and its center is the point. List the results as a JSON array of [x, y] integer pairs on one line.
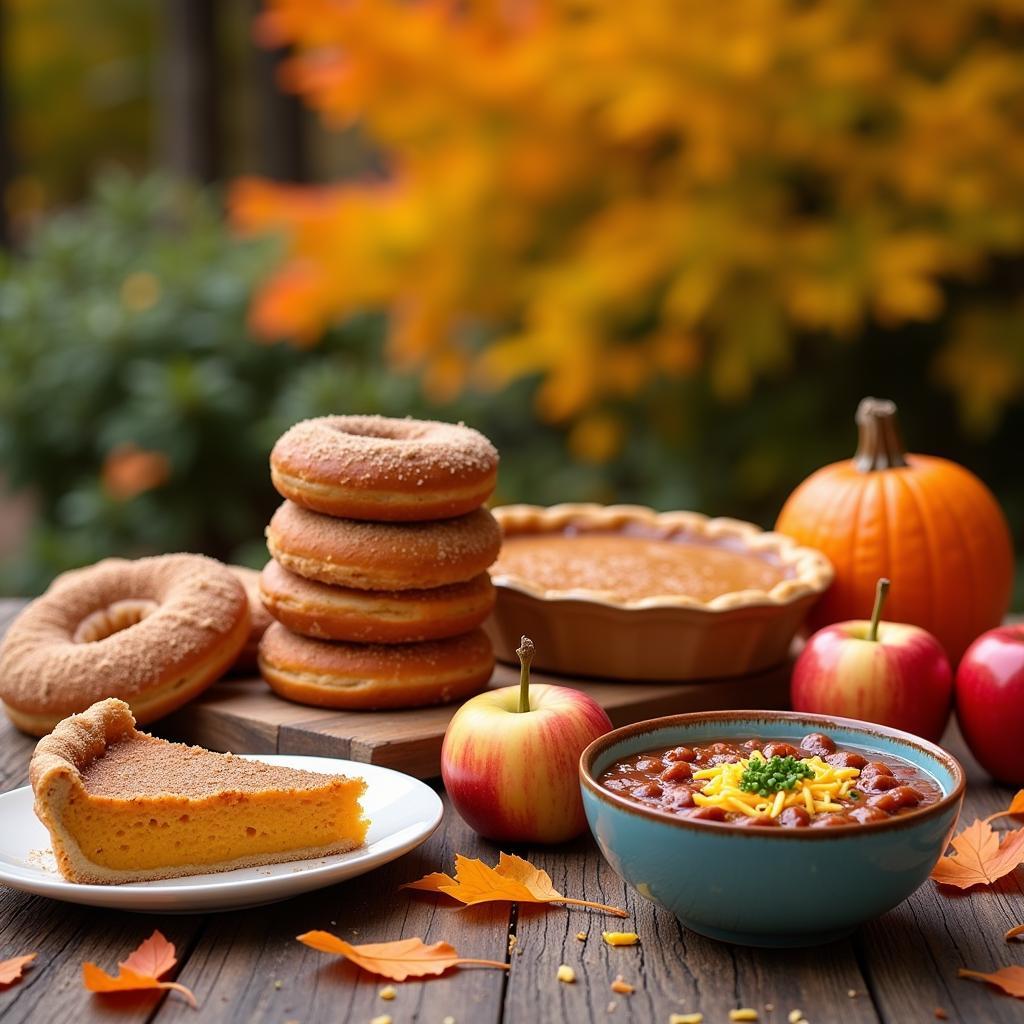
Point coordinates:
[[153, 632], [369, 676], [372, 467], [375, 616], [259, 619], [383, 556]]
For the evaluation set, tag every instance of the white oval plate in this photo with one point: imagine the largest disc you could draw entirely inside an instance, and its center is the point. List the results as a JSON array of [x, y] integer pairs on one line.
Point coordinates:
[[403, 813]]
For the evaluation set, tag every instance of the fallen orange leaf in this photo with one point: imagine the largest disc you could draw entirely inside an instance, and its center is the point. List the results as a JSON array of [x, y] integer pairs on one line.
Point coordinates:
[[140, 971], [1016, 806], [979, 857], [10, 970], [513, 879], [1009, 979], [404, 958], [154, 957]]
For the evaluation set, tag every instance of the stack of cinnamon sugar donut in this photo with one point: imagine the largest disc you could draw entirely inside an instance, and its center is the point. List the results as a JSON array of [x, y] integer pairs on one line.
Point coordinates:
[[378, 579]]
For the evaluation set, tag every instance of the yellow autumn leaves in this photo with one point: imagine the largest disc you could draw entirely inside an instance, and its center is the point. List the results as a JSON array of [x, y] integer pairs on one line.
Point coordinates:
[[607, 195]]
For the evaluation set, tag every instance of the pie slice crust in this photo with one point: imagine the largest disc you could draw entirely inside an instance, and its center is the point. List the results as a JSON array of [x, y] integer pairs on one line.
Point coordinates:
[[124, 806]]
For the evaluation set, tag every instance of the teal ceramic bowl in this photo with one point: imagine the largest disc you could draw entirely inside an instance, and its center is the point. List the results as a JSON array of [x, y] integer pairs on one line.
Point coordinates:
[[769, 887]]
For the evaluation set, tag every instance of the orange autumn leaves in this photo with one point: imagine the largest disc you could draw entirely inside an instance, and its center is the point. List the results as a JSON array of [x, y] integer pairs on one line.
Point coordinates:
[[979, 858], [12, 969], [513, 880], [404, 958], [141, 970], [618, 201]]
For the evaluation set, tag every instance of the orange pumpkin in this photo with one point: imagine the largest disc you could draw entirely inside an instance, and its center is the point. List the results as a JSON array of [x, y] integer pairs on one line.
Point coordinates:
[[926, 523]]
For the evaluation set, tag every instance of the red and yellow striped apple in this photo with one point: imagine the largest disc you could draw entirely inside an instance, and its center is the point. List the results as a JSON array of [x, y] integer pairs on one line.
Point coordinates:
[[510, 759], [890, 673]]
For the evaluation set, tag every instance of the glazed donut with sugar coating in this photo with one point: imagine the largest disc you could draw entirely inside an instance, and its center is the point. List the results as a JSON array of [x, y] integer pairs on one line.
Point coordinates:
[[373, 467], [371, 676], [375, 616], [259, 619], [153, 632], [383, 556]]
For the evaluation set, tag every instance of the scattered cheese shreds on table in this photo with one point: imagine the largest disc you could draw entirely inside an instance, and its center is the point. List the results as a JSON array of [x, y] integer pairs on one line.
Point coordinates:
[[512, 880], [620, 938], [622, 986], [11, 970], [398, 960], [1009, 979], [140, 971], [566, 973], [686, 1018], [744, 1013]]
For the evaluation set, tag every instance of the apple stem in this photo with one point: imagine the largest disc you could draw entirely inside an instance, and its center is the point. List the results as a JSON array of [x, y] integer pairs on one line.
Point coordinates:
[[617, 911], [881, 592], [525, 652]]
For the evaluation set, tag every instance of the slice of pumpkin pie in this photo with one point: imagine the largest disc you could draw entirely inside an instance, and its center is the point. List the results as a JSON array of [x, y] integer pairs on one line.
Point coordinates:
[[124, 806]]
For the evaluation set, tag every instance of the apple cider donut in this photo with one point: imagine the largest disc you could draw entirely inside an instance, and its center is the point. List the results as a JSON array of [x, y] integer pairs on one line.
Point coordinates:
[[369, 676], [153, 632], [383, 556], [372, 467], [259, 618], [375, 616]]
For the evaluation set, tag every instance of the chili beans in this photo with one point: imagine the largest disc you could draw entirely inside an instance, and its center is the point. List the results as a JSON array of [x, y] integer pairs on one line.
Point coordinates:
[[845, 787]]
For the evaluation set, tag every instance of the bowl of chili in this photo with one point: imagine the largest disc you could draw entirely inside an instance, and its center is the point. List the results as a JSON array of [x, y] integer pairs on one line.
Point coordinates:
[[770, 828]]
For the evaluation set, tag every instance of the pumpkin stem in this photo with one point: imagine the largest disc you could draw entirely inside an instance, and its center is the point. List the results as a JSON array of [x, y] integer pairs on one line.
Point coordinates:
[[881, 592], [879, 445]]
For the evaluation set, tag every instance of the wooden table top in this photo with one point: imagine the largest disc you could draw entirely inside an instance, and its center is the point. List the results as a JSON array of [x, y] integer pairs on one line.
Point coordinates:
[[247, 966]]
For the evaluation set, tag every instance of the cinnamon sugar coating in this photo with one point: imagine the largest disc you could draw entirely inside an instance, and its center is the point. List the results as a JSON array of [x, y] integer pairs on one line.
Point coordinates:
[[383, 556], [181, 614], [259, 617], [378, 468], [355, 675], [375, 616]]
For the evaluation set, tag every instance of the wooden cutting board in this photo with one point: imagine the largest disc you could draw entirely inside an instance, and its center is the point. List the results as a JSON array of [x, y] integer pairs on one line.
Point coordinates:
[[244, 716]]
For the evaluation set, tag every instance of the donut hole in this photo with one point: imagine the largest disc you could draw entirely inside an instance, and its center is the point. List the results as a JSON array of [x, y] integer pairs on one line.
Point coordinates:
[[112, 619], [384, 430]]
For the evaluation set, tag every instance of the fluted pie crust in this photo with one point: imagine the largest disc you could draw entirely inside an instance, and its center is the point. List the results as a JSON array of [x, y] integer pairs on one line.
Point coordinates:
[[124, 806], [589, 629]]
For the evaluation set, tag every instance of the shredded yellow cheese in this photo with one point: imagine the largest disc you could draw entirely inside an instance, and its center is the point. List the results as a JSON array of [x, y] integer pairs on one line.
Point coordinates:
[[816, 795]]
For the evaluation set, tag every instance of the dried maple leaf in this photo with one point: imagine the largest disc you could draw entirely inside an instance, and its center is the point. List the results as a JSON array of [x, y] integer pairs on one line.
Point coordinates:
[[10, 970], [979, 857], [404, 958], [513, 879], [140, 971], [1009, 979], [1016, 806]]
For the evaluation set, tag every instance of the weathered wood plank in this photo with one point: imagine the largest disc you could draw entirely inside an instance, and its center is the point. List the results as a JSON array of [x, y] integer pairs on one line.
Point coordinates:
[[912, 953], [241, 956], [674, 970], [65, 936]]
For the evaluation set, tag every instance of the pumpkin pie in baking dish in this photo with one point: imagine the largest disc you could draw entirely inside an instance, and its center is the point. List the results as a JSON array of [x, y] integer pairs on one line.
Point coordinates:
[[124, 806], [622, 591]]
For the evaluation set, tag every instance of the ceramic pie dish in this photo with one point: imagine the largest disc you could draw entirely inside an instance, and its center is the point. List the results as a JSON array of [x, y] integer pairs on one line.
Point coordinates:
[[624, 592]]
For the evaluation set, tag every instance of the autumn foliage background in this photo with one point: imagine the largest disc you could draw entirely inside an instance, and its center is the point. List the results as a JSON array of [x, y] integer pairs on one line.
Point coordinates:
[[656, 250]]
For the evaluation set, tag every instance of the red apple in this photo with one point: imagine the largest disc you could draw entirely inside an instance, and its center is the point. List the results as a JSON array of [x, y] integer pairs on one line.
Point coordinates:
[[889, 673], [990, 701], [510, 759]]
